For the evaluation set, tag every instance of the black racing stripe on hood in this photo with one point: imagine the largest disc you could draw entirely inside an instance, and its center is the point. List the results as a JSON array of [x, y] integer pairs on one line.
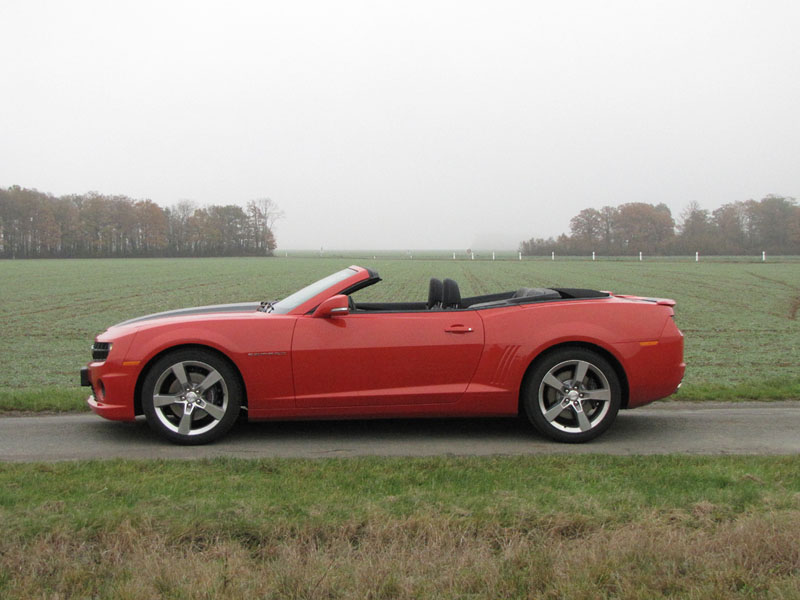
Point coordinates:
[[197, 310]]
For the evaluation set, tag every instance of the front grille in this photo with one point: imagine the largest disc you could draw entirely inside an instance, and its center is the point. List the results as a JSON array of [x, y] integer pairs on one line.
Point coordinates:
[[100, 350]]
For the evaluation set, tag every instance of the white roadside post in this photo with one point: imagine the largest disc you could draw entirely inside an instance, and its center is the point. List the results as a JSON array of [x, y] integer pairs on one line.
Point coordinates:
[[492, 254], [552, 255], [763, 256], [520, 255], [592, 255], [640, 257], [696, 257]]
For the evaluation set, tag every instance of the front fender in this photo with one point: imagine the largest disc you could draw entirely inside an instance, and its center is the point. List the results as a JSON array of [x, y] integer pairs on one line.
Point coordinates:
[[155, 341], [259, 348]]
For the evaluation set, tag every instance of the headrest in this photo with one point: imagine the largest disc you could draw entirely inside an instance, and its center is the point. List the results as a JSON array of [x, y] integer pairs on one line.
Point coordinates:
[[452, 295], [435, 292]]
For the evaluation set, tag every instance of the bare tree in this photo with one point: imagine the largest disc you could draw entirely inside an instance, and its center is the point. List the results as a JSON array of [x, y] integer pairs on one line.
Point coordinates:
[[262, 214], [696, 230], [178, 219]]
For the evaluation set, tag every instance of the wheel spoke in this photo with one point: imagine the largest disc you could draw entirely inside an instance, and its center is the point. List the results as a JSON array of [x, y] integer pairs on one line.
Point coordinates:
[[185, 426], [580, 371], [554, 381], [180, 374], [216, 412], [212, 378], [583, 420], [602, 395], [164, 400], [554, 411]]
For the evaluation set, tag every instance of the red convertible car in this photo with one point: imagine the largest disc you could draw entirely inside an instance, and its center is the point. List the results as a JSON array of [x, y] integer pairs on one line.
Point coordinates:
[[569, 359]]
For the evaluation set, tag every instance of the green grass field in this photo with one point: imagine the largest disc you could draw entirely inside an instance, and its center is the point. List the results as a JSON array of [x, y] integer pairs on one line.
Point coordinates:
[[496, 527], [740, 317], [499, 527]]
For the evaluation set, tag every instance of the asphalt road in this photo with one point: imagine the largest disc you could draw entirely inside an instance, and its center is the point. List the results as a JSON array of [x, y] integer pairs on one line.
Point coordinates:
[[692, 428]]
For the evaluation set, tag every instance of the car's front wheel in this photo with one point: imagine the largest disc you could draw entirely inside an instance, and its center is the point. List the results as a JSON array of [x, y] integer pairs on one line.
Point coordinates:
[[191, 396], [572, 395]]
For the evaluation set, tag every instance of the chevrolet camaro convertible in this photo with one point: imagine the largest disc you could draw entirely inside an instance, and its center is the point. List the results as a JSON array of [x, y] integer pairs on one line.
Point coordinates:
[[568, 359]]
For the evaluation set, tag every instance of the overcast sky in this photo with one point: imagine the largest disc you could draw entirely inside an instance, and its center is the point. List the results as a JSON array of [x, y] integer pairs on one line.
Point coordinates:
[[404, 124]]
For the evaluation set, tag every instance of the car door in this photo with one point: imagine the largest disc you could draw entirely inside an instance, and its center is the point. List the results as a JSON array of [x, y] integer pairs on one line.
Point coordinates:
[[364, 359]]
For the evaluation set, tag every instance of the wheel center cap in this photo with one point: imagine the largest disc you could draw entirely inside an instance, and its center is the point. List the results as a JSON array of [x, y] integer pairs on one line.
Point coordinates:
[[191, 397], [573, 395]]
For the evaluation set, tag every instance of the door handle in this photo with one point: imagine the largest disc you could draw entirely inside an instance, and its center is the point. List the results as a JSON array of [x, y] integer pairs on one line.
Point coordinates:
[[459, 329]]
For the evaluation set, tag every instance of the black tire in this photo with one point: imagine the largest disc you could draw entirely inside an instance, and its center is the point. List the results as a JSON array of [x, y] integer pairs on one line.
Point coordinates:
[[199, 380], [588, 407]]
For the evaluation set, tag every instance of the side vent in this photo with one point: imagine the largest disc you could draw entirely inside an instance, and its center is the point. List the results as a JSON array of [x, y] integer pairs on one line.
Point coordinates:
[[504, 366]]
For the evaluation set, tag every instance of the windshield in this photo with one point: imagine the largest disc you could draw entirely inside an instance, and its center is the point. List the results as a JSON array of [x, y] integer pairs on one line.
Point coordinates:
[[291, 302]]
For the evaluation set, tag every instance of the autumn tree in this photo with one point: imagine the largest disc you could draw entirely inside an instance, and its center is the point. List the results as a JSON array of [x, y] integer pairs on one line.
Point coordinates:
[[151, 239], [642, 227], [35, 224], [731, 227], [773, 222], [608, 224], [586, 229]]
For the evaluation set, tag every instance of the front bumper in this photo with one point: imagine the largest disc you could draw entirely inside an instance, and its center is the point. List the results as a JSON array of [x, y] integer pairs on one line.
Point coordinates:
[[110, 382], [115, 412]]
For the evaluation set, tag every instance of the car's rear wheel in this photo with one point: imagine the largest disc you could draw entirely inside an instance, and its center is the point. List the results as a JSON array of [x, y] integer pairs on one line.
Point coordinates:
[[191, 396], [572, 395]]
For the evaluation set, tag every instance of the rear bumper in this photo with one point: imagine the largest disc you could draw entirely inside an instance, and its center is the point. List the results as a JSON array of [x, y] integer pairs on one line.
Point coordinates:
[[655, 371]]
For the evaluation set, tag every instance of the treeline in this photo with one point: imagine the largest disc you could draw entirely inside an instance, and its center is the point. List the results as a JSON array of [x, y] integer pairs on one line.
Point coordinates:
[[38, 225], [770, 225]]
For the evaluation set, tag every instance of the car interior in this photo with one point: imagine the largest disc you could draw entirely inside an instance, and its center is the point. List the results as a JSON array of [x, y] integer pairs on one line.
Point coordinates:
[[446, 295]]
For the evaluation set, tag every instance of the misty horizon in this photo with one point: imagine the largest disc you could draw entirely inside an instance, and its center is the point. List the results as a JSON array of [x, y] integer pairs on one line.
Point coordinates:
[[404, 126]]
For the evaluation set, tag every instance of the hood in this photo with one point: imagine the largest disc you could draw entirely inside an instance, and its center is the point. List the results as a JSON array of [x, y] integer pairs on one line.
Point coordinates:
[[197, 310]]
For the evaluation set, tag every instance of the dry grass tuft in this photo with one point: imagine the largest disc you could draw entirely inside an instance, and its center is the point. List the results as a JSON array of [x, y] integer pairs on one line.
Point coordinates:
[[538, 527], [445, 557]]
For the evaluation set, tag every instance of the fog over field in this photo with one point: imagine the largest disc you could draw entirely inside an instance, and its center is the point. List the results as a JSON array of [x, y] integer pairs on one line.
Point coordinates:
[[404, 125]]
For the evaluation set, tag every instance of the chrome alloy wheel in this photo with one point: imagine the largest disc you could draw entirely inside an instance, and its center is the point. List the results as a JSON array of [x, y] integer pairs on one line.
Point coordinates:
[[190, 398], [574, 396]]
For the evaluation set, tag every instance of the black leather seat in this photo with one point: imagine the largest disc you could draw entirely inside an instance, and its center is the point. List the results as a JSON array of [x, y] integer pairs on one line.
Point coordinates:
[[435, 294], [452, 295]]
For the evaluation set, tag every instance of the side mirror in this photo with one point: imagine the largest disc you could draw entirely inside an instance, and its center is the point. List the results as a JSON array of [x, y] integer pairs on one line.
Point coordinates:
[[335, 306]]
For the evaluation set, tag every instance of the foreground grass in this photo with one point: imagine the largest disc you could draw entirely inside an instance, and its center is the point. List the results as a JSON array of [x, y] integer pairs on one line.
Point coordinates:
[[553, 527], [741, 319]]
